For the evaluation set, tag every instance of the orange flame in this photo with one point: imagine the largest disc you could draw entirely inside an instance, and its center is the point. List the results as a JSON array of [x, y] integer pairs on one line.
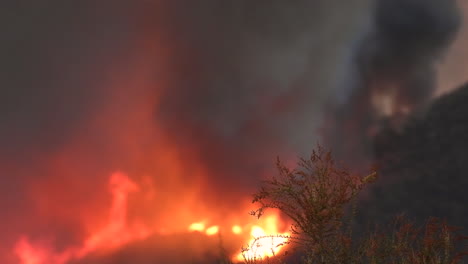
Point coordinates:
[[212, 230], [266, 240], [119, 231], [28, 254], [115, 234], [200, 227], [263, 239], [236, 230]]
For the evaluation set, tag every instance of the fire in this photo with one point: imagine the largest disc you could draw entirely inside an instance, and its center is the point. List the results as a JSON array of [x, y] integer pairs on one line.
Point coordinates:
[[263, 245], [266, 240], [200, 227], [212, 230], [236, 229], [28, 254], [263, 238], [116, 233]]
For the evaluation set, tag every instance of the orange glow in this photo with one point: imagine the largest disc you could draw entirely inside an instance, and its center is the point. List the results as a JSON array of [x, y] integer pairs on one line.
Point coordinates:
[[237, 230], [28, 254], [116, 233], [169, 179], [212, 230], [266, 240], [263, 239], [119, 231], [200, 227]]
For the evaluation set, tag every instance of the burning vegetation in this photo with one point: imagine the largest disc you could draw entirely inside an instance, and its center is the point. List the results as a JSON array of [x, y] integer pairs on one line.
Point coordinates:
[[315, 197], [136, 131]]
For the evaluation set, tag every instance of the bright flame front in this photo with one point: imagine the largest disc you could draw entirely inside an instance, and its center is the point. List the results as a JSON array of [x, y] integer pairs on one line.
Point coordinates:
[[266, 240], [263, 239]]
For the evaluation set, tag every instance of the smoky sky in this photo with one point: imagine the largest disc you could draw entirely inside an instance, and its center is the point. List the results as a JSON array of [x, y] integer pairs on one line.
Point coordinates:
[[88, 88], [392, 71], [55, 56], [410, 38]]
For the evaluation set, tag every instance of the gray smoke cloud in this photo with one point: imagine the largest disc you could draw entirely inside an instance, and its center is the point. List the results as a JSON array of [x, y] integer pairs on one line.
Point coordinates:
[[251, 79], [55, 57], [241, 60], [393, 70], [410, 38]]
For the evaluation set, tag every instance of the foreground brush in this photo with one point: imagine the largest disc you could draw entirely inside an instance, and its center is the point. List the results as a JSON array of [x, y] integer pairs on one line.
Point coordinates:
[[316, 196]]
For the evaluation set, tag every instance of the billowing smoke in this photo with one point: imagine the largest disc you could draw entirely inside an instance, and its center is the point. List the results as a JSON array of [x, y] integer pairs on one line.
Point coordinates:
[[393, 72], [57, 68], [389, 116], [191, 101], [421, 160]]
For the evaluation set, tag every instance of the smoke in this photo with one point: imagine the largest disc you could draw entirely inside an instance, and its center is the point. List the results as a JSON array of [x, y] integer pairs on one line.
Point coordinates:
[[248, 66], [410, 38], [393, 71], [57, 61], [192, 100]]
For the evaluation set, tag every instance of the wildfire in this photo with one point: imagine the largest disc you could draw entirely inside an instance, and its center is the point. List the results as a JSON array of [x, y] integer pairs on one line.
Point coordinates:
[[236, 230], [28, 254], [263, 238], [115, 234], [266, 240], [212, 230], [197, 227]]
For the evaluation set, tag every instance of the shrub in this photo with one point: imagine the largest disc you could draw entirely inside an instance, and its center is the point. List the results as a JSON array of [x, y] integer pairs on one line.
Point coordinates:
[[315, 196]]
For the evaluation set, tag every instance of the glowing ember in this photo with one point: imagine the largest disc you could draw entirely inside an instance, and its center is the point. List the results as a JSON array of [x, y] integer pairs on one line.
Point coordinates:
[[237, 230], [212, 230], [118, 231], [200, 227]]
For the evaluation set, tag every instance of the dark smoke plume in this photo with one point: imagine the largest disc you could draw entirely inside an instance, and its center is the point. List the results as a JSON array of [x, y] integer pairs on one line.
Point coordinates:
[[393, 71], [391, 120]]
